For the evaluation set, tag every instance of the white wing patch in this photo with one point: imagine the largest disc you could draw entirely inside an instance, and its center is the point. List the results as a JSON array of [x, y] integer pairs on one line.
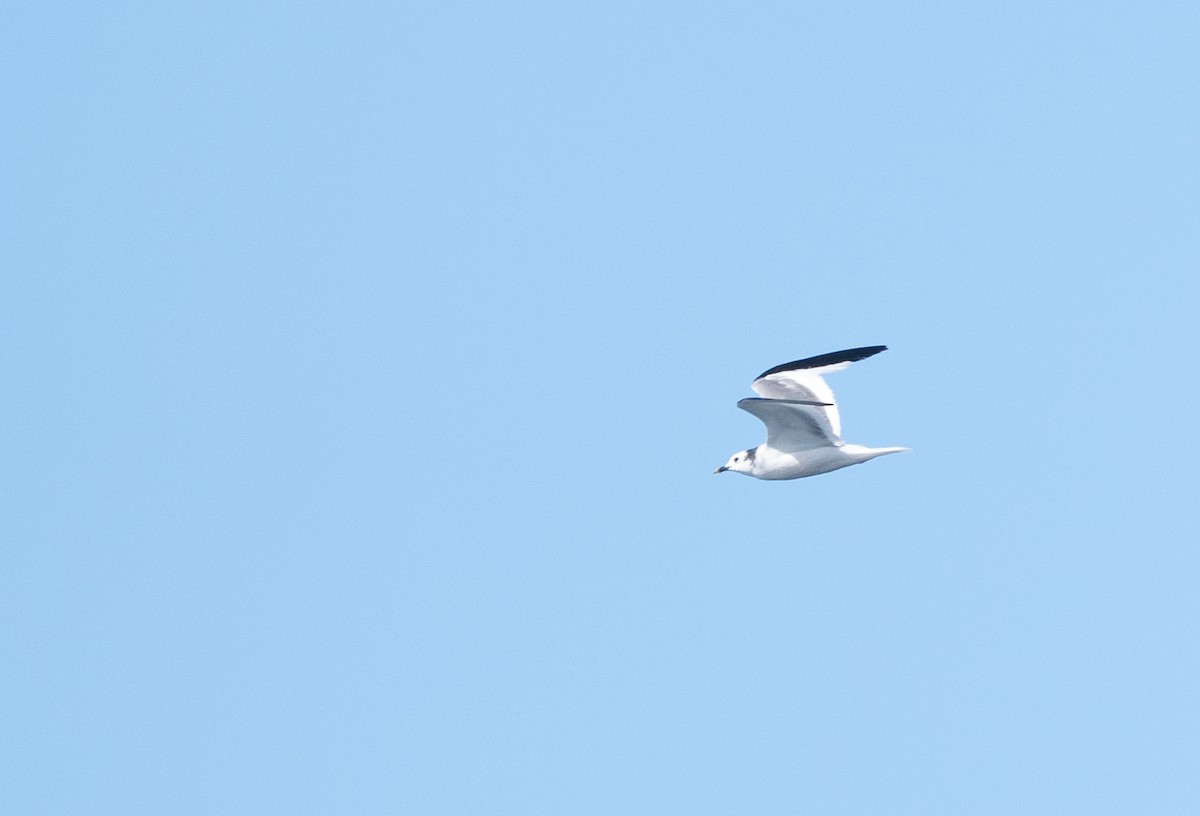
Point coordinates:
[[792, 426], [801, 380], [803, 384]]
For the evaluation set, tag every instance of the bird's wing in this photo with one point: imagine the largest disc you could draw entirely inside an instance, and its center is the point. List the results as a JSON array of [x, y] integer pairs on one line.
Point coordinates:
[[792, 425], [801, 380]]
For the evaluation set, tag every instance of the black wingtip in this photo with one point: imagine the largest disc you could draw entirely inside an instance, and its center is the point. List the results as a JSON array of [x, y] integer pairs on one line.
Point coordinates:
[[847, 356]]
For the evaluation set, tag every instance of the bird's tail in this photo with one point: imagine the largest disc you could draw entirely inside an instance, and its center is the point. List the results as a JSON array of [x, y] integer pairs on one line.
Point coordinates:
[[870, 453]]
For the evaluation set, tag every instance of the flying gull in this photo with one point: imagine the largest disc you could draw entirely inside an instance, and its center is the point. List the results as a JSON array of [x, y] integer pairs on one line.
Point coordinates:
[[803, 427]]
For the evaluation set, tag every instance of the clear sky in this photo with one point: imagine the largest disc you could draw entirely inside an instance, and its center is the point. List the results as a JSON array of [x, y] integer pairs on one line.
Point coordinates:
[[366, 364]]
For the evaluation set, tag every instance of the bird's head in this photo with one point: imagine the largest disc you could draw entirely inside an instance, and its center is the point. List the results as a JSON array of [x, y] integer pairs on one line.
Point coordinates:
[[740, 462]]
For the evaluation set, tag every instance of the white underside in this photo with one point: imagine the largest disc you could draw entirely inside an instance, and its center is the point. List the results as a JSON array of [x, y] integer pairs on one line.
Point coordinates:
[[776, 465]]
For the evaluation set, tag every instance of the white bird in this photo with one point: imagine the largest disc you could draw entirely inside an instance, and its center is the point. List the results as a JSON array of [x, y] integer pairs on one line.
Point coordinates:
[[803, 427]]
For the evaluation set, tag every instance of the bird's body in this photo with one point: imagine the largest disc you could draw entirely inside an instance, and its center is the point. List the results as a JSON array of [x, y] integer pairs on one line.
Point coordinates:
[[803, 424], [775, 465]]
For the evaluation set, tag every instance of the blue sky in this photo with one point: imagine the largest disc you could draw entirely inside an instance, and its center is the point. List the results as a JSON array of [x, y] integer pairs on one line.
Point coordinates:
[[366, 367]]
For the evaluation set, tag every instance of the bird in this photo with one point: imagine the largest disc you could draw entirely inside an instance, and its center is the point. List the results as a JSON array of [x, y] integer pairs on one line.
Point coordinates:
[[803, 426]]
